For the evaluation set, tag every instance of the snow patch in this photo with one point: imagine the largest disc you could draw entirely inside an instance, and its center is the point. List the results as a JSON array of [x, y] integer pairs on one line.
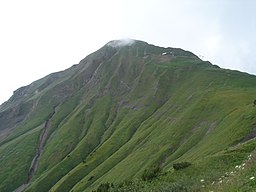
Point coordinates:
[[167, 53]]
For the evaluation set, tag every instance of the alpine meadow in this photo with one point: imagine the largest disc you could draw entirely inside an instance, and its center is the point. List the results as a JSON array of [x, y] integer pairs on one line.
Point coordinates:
[[131, 117]]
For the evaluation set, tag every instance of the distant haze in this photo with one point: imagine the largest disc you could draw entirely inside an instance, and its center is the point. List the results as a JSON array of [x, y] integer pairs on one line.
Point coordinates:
[[40, 37]]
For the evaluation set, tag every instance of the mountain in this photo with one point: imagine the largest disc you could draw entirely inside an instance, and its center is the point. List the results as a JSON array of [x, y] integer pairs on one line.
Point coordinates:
[[131, 117]]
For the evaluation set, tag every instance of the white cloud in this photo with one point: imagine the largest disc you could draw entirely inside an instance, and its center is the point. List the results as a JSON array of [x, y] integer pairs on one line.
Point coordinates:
[[121, 43]]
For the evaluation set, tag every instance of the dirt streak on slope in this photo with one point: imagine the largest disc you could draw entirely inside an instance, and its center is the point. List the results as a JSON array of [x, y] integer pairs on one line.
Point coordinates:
[[40, 145]]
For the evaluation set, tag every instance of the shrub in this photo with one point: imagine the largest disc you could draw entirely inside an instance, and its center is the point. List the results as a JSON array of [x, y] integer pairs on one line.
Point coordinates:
[[181, 165], [91, 178], [151, 173], [104, 187]]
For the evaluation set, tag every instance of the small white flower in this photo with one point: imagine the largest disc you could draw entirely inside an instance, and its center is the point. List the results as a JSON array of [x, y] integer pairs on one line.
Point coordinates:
[[202, 180], [252, 178], [220, 181], [243, 164], [237, 166]]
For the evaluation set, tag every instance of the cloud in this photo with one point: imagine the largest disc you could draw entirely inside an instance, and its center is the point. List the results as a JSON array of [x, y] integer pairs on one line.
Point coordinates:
[[121, 43]]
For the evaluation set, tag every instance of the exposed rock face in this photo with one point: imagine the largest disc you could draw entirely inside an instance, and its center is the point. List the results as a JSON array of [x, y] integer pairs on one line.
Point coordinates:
[[11, 117]]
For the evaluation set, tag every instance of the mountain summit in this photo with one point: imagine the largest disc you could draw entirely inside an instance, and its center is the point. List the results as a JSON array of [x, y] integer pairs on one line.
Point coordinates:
[[151, 116]]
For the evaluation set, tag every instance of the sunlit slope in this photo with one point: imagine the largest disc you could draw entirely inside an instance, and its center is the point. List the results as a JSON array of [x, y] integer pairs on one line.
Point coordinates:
[[120, 111]]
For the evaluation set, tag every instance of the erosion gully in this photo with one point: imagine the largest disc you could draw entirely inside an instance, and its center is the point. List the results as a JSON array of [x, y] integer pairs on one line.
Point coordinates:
[[39, 149]]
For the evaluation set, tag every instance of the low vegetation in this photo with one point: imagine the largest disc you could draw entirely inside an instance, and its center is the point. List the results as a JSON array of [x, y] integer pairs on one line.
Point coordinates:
[[134, 119], [181, 165]]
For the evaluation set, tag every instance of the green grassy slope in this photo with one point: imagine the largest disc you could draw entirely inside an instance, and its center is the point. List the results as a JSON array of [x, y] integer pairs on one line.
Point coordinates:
[[124, 110]]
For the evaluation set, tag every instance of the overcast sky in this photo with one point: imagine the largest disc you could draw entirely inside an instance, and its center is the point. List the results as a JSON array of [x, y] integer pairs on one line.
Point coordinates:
[[38, 37]]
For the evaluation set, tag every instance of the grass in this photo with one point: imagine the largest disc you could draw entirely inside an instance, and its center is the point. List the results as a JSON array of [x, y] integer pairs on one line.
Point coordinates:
[[15, 159], [134, 111]]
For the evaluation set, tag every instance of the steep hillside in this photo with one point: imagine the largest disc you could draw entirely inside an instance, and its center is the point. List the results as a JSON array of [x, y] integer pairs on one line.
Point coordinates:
[[127, 112]]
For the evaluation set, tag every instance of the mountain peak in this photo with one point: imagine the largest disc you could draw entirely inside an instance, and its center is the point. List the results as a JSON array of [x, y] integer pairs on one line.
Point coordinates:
[[128, 103], [123, 42]]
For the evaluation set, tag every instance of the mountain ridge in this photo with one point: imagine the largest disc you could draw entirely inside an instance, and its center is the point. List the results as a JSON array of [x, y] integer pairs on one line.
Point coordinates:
[[127, 101]]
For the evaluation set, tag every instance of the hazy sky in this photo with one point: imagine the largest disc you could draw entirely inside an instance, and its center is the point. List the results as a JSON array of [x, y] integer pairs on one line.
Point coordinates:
[[38, 37]]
